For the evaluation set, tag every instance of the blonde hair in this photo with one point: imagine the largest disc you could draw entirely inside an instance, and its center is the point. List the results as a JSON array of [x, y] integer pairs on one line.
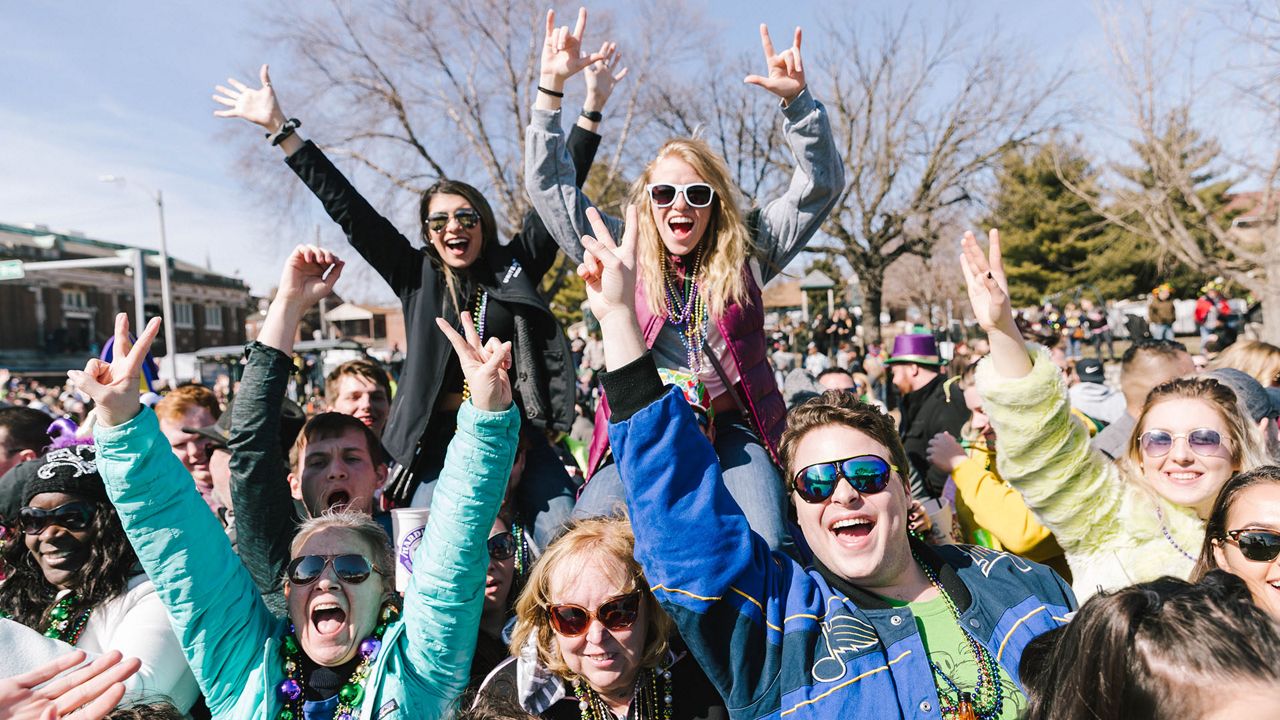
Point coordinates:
[[1259, 360], [728, 241], [362, 526], [608, 543]]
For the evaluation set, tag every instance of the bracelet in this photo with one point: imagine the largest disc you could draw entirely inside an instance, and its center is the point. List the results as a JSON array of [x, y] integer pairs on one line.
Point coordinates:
[[285, 131], [552, 93], [592, 115]]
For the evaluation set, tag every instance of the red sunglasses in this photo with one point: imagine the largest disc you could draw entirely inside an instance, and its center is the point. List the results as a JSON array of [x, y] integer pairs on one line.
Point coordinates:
[[616, 613]]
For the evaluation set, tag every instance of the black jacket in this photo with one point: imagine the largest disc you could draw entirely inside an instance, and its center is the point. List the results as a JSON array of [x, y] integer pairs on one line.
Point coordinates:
[[926, 412], [542, 373]]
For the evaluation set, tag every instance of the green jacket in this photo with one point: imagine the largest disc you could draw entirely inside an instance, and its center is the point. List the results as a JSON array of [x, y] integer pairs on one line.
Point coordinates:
[[1109, 525], [230, 638]]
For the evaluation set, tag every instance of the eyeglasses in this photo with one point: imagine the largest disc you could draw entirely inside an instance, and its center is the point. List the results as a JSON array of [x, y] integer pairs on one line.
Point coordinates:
[[502, 546], [1256, 545], [698, 195], [868, 474], [466, 217], [73, 516], [616, 613], [351, 569], [1203, 441]]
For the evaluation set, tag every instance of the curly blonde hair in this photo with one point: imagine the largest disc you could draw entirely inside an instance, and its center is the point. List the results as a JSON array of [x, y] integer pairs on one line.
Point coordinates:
[[728, 240], [609, 543]]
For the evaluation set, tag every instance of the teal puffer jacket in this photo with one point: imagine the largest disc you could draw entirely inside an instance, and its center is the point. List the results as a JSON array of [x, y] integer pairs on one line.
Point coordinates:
[[230, 638]]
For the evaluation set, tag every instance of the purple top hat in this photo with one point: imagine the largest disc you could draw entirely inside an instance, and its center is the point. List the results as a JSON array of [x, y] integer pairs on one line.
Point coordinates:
[[919, 349]]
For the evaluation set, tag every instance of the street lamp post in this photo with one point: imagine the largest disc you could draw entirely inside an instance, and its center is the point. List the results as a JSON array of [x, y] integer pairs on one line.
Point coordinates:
[[166, 296]]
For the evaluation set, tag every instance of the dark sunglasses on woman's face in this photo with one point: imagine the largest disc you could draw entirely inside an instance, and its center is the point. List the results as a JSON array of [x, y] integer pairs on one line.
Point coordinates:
[[1256, 545], [466, 217], [868, 474], [351, 569], [71, 516], [1203, 441], [502, 546], [616, 613], [697, 195]]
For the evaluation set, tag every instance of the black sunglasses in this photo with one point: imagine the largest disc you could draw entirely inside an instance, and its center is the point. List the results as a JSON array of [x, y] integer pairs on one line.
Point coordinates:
[[1256, 545], [71, 516], [868, 474], [466, 217], [351, 569], [502, 546]]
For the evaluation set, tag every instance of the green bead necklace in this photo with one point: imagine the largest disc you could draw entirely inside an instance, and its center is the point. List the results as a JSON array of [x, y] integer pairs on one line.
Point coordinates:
[[63, 622], [291, 690]]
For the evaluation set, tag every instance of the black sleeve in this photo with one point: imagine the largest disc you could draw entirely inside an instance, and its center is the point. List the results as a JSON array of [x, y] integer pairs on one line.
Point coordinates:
[[371, 234], [632, 387], [535, 241]]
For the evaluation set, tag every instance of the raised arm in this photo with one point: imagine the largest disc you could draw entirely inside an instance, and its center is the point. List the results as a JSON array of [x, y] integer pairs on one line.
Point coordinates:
[[788, 222], [446, 592], [549, 173], [214, 607], [371, 234]]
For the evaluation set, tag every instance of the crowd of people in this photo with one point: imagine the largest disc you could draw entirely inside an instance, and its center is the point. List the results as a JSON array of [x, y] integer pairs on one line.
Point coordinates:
[[744, 523]]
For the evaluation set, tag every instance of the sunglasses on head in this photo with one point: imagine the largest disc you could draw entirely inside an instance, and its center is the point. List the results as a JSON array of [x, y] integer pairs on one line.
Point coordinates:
[[466, 217], [1256, 545], [71, 516], [616, 613], [351, 569], [868, 474], [697, 195], [502, 546], [1203, 441]]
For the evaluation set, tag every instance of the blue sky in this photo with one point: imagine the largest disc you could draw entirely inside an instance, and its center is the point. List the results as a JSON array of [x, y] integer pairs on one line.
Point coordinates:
[[123, 89]]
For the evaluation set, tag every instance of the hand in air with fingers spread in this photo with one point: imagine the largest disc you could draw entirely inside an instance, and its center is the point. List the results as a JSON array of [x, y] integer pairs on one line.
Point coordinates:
[[114, 387], [786, 68], [88, 693], [603, 76], [258, 106], [484, 365]]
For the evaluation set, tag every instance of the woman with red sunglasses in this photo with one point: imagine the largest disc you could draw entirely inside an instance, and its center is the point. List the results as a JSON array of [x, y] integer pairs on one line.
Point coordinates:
[[703, 260], [1242, 535], [590, 641], [344, 651], [75, 582]]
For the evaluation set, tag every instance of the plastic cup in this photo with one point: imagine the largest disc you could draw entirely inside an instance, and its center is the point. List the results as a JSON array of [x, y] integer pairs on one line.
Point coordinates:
[[408, 525]]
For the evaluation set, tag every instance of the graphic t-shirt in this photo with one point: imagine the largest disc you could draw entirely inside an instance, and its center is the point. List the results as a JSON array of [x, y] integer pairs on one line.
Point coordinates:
[[949, 651]]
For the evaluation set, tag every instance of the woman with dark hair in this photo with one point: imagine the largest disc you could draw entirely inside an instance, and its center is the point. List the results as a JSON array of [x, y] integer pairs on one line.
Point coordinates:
[[461, 265], [1242, 535], [75, 582], [1161, 650]]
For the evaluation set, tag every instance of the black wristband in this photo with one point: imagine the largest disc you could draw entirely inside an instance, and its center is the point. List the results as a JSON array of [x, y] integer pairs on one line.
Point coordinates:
[[552, 93], [285, 131], [593, 115]]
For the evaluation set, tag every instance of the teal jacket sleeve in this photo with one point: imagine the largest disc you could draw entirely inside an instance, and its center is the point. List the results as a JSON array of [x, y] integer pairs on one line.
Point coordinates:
[[213, 604], [446, 592]]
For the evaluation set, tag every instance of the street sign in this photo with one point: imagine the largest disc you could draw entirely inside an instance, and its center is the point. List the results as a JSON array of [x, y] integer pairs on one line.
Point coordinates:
[[11, 270]]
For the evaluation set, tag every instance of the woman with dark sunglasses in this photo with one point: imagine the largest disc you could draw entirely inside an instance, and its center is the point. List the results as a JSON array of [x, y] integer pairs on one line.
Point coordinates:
[[1242, 535], [74, 581], [702, 263], [879, 624], [591, 643], [344, 651], [461, 265], [1132, 521]]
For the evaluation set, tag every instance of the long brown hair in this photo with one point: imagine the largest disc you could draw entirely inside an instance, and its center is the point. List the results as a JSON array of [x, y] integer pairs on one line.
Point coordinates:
[[1215, 528], [728, 242], [488, 228]]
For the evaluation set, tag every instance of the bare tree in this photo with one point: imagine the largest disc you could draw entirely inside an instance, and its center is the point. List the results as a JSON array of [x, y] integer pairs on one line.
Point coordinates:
[[934, 285], [920, 119]]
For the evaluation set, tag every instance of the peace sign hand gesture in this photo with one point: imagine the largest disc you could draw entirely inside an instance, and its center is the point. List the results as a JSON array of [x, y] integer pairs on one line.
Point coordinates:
[[609, 269], [562, 55], [483, 365], [786, 69], [114, 386], [259, 106]]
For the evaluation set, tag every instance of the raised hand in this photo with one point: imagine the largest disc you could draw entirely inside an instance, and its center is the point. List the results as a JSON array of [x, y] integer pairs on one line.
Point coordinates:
[[609, 269], [114, 387], [602, 76], [945, 452], [484, 365], [562, 55], [259, 106], [309, 275], [88, 693], [988, 288], [786, 69]]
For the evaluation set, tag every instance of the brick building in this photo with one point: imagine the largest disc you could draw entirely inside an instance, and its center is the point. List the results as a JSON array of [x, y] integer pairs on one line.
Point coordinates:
[[51, 320]]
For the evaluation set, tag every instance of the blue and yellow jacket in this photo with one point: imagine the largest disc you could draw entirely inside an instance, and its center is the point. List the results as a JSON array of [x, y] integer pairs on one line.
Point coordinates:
[[778, 639]]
